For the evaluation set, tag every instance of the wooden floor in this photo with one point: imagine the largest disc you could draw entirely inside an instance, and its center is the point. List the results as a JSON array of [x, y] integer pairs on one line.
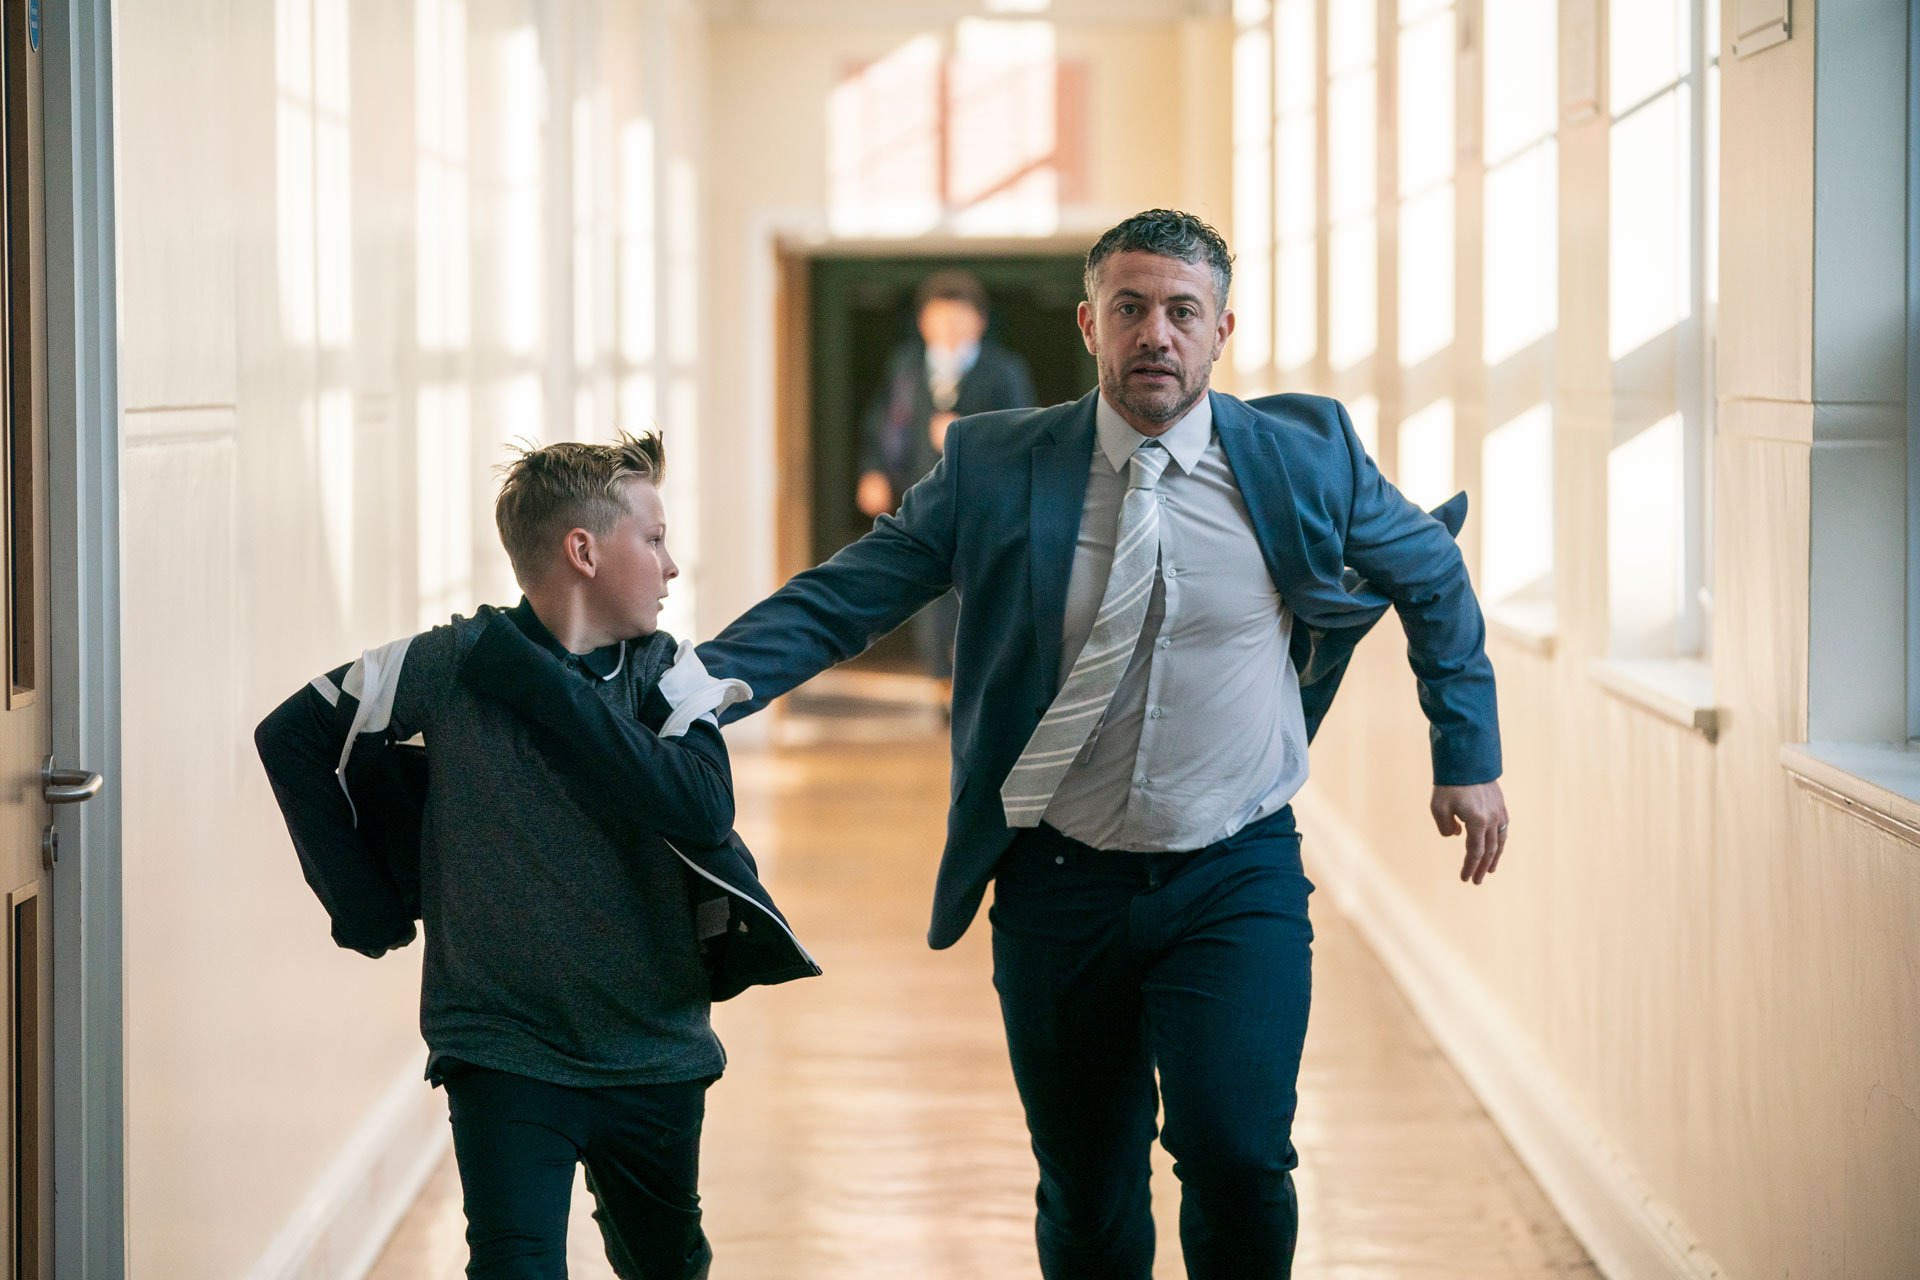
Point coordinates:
[[867, 1125]]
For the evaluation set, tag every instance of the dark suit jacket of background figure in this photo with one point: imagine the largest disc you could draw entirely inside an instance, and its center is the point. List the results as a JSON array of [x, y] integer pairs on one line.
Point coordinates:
[[893, 435], [998, 519]]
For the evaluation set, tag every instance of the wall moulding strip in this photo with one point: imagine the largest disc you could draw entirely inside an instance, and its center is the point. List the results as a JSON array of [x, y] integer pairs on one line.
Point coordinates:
[[340, 1229], [1626, 1229]]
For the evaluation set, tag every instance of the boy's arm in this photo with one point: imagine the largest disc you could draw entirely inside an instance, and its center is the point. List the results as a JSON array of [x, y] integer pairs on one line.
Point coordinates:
[[680, 787], [300, 745]]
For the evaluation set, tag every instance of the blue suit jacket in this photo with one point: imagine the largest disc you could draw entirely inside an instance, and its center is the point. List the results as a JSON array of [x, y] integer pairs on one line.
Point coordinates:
[[998, 519]]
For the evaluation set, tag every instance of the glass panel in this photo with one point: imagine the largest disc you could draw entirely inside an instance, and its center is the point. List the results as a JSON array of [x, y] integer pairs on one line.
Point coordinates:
[[1649, 47], [1649, 239], [21, 412], [1425, 471], [1516, 531], [1521, 260], [26, 1088], [1646, 526], [1426, 275]]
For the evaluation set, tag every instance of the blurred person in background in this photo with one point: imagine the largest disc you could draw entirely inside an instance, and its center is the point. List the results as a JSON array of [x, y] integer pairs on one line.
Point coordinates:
[[951, 370]]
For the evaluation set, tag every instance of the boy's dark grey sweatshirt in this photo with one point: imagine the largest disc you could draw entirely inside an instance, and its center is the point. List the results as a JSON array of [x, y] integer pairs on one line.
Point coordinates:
[[555, 947]]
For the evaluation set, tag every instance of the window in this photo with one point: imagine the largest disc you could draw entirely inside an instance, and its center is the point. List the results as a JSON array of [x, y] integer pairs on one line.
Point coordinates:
[[1253, 123], [980, 135], [1424, 459], [1353, 185], [1662, 92], [445, 466], [1863, 652], [1296, 194], [1519, 311]]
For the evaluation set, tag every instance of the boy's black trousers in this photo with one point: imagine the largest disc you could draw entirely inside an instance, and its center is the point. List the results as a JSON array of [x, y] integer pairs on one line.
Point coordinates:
[[517, 1141]]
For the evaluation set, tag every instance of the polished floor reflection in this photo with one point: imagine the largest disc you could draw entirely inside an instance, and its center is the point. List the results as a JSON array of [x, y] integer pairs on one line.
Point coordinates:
[[867, 1126]]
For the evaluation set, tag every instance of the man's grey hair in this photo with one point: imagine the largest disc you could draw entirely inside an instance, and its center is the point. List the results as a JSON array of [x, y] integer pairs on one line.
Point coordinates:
[[1170, 234]]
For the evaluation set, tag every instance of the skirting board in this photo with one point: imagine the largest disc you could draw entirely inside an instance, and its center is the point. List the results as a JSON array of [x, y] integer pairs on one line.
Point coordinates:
[[346, 1220], [1629, 1233]]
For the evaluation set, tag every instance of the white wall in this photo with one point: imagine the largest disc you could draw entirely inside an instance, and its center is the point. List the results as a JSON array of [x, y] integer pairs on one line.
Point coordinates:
[[363, 245]]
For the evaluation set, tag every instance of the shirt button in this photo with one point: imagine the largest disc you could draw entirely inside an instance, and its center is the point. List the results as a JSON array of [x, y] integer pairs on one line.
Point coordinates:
[[1165, 643], [1059, 859], [1140, 781], [1173, 572], [1153, 714]]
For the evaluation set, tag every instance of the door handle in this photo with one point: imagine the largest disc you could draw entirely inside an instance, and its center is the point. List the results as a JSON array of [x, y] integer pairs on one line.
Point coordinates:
[[68, 786]]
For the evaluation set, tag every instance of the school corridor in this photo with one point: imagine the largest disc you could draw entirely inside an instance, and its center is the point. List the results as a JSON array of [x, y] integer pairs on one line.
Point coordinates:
[[288, 279], [867, 1126]]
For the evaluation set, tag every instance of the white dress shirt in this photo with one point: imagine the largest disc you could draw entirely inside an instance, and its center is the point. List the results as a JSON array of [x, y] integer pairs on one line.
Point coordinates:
[[1205, 733]]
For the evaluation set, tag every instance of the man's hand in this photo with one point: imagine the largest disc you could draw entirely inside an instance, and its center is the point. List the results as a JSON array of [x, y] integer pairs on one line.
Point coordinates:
[[1483, 811], [875, 495]]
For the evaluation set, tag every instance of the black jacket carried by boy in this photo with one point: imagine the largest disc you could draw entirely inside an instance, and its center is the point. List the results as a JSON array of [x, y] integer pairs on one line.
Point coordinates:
[[566, 837]]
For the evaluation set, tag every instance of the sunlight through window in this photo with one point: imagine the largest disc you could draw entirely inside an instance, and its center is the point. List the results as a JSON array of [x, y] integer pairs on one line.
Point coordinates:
[[1253, 198], [442, 302], [1662, 155], [1425, 470], [1521, 218], [313, 219], [1649, 271], [1646, 515], [883, 128], [1353, 271], [443, 464], [1516, 509], [522, 306], [637, 248], [1364, 411], [1425, 136], [1296, 186], [1003, 118]]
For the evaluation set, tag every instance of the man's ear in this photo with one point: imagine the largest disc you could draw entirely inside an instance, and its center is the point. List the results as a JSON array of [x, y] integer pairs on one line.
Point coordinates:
[[1222, 332], [1085, 316], [581, 554]]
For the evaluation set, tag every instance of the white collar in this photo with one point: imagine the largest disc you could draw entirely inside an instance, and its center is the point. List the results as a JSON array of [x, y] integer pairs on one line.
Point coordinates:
[[1185, 440]]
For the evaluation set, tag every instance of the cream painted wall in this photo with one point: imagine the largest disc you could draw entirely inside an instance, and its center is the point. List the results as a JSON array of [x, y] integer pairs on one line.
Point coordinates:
[[362, 245], [1157, 134], [1718, 970]]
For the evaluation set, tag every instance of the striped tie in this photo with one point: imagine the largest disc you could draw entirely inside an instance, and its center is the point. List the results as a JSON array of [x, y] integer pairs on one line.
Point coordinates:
[[1096, 673]]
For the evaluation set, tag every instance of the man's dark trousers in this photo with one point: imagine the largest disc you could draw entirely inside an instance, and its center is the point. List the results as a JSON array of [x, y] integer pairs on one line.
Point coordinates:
[[517, 1141], [1112, 966]]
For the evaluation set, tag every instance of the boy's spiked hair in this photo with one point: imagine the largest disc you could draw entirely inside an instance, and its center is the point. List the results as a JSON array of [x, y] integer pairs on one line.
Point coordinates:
[[546, 491]]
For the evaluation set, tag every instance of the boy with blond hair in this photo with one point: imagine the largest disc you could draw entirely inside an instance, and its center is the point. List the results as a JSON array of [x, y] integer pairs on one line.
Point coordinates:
[[565, 837]]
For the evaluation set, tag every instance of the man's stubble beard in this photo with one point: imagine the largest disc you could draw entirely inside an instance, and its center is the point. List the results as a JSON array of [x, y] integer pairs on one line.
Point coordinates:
[[1115, 387]]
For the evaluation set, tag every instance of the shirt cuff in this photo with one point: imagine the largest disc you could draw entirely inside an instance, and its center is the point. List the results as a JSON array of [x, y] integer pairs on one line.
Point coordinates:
[[1465, 755], [694, 694]]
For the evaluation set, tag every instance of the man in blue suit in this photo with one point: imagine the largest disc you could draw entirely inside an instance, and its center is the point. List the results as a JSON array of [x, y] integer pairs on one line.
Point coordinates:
[[1159, 586]]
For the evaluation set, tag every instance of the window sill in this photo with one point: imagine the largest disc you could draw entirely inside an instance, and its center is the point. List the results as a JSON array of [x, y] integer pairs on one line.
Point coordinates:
[[1677, 689], [1878, 782], [1530, 625]]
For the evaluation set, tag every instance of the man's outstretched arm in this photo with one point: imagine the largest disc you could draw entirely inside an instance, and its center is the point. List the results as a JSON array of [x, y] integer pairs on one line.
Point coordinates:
[[1411, 557], [834, 612]]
